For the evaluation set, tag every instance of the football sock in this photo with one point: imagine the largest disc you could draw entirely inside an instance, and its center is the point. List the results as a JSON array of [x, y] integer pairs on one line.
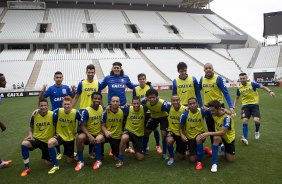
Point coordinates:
[[145, 143], [164, 145], [121, 157], [58, 149], [52, 153], [257, 126], [214, 154], [80, 156], [200, 152], [25, 155], [245, 131], [91, 149], [170, 151], [98, 151], [157, 137]]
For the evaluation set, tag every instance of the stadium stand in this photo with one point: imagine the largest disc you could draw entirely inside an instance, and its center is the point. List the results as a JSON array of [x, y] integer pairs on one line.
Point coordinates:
[[221, 65], [242, 57], [14, 55], [198, 34], [73, 71], [148, 23], [166, 61], [16, 72], [132, 53], [21, 24], [278, 73], [222, 52], [222, 24], [200, 18], [165, 38], [66, 24], [78, 54], [268, 57], [110, 24]]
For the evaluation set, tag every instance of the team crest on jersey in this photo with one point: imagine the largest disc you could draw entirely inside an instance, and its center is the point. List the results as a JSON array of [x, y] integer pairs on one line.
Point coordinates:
[[228, 120], [64, 91], [121, 80]]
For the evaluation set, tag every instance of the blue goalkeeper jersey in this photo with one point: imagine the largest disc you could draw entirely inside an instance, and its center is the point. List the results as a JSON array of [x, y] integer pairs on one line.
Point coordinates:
[[116, 86]]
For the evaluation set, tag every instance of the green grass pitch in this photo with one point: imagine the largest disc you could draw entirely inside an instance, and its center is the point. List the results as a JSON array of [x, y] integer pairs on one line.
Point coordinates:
[[259, 162]]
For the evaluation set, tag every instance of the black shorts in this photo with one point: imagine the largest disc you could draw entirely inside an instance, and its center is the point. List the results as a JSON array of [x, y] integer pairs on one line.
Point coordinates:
[[68, 146], [192, 145], [43, 146], [181, 146], [248, 111], [229, 147], [137, 141], [153, 123], [114, 145], [147, 117]]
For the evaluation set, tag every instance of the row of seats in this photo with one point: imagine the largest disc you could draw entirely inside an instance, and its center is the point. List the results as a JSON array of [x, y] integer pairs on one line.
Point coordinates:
[[78, 54], [72, 70], [14, 55]]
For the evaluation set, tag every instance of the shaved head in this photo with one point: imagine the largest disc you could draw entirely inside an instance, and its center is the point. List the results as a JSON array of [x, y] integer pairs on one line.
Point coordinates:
[[208, 69]]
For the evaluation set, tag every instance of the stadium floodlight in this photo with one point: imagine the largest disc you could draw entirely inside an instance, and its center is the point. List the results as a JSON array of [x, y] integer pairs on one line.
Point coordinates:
[[26, 5]]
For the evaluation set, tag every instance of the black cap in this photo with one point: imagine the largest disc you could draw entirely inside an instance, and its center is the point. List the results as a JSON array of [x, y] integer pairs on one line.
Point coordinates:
[[117, 64]]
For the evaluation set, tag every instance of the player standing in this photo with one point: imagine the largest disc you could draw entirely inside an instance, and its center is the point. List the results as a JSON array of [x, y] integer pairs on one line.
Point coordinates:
[[250, 104], [186, 86], [213, 89]]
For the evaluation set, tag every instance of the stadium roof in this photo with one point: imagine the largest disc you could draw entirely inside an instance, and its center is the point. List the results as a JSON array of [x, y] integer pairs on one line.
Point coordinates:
[[183, 3]]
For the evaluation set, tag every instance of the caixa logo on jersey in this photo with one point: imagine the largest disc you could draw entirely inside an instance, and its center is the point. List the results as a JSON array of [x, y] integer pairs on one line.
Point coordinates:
[[12, 95]]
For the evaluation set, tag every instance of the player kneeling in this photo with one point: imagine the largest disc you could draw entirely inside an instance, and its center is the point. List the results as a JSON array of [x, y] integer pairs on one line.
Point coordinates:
[[224, 132], [192, 125], [133, 131], [173, 135], [40, 131], [91, 131], [65, 122]]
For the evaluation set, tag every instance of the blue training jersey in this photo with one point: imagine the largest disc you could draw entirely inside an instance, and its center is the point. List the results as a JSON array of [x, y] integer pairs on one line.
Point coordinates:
[[56, 95], [116, 87]]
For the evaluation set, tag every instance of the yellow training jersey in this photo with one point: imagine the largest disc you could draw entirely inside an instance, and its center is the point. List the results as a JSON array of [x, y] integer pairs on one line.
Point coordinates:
[[174, 119], [43, 127], [87, 90], [114, 123], [156, 110], [141, 92], [66, 124], [227, 122], [185, 89], [194, 124], [135, 121], [93, 120], [248, 95], [210, 90]]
